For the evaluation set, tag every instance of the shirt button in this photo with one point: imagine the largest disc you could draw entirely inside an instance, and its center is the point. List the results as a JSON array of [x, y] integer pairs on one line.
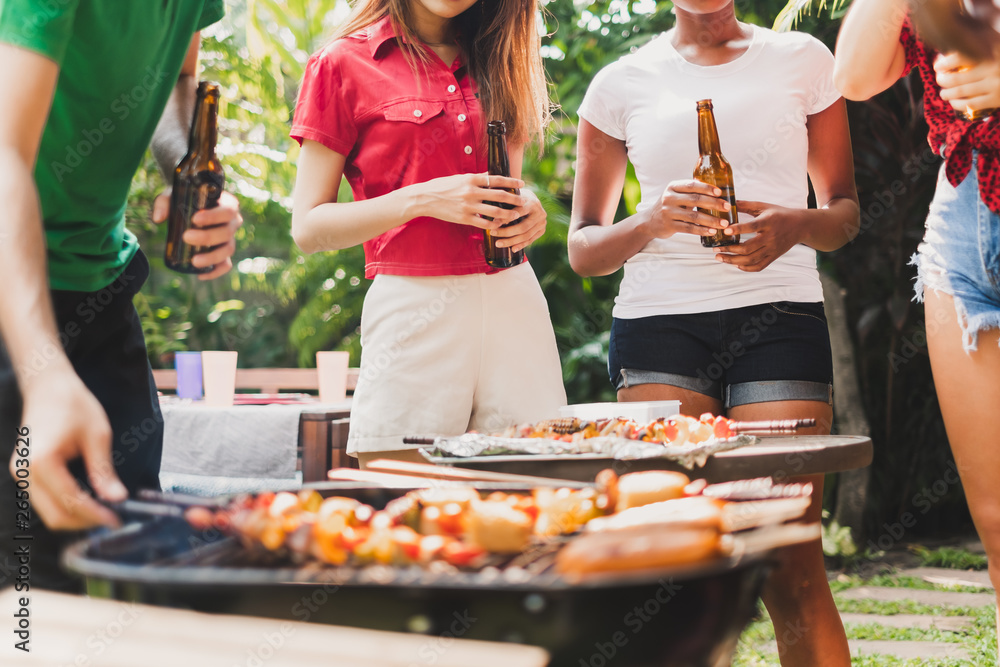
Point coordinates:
[[418, 113], [461, 118], [451, 89], [468, 150]]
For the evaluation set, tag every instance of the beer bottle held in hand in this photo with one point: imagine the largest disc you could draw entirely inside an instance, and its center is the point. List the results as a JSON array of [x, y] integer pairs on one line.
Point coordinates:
[[714, 169], [198, 182], [499, 165]]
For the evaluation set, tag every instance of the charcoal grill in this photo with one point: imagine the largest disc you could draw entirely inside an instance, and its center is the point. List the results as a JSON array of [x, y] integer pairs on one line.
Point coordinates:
[[688, 617]]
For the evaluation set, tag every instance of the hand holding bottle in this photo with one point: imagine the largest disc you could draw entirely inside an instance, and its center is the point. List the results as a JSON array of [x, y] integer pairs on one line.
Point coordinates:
[[463, 198], [215, 228], [677, 210], [528, 228], [972, 88], [777, 230]]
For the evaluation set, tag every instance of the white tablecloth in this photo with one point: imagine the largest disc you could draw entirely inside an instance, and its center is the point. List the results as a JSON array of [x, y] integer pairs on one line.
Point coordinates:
[[244, 448]]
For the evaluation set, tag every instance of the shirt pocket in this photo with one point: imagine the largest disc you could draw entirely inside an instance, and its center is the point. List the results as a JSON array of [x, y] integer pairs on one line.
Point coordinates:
[[413, 111]]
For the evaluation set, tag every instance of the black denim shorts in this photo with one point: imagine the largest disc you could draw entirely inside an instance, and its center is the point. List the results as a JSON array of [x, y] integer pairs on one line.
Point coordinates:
[[756, 354]]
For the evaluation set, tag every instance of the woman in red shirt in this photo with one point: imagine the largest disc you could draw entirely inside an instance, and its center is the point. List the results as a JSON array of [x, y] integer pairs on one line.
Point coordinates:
[[958, 262], [397, 104]]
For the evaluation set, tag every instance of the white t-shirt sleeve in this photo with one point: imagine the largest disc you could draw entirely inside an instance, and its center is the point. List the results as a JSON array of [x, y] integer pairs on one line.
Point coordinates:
[[604, 105], [818, 63]]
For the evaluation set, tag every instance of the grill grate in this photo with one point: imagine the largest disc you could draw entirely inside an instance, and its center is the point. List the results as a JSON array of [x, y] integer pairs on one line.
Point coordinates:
[[226, 557]]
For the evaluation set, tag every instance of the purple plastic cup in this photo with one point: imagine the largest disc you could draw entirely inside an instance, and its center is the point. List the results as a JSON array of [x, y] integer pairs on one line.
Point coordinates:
[[188, 365]]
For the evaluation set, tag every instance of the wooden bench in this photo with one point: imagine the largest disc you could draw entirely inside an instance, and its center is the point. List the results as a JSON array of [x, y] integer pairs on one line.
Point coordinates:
[[264, 380]]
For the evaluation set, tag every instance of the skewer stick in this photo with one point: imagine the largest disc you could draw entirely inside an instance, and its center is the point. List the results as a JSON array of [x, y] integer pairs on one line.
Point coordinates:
[[773, 425], [466, 475], [766, 426]]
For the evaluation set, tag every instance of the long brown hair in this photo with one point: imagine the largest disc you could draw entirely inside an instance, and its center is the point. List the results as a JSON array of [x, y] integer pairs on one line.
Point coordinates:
[[501, 44]]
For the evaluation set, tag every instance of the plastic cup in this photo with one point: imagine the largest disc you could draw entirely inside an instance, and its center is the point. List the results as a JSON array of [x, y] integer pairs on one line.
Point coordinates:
[[188, 365], [332, 369], [219, 371]]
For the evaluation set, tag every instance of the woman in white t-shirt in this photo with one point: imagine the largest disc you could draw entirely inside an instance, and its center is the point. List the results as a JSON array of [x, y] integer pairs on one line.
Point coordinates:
[[740, 329]]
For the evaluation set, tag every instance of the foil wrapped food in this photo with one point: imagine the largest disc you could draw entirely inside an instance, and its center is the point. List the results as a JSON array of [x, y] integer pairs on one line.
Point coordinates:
[[472, 445]]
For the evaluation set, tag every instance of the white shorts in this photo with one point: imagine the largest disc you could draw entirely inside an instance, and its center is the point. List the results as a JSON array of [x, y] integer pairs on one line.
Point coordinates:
[[444, 355]]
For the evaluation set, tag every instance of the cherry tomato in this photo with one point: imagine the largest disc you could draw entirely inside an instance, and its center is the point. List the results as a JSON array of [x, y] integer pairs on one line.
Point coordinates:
[[408, 542], [721, 429], [200, 518], [461, 554], [450, 521], [264, 500]]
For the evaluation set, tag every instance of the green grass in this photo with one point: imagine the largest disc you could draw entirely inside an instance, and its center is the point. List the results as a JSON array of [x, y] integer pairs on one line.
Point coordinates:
[[958, 559], [896, 581], [901, 607], [889, 661], [756, 648], [874, 631]]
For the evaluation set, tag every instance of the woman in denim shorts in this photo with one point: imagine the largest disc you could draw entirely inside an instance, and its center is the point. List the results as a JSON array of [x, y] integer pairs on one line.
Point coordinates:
[[737, 330], [958, 262]]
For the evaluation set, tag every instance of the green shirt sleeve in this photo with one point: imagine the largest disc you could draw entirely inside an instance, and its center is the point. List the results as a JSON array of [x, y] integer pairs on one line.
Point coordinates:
[[213, 11], [42, 26]]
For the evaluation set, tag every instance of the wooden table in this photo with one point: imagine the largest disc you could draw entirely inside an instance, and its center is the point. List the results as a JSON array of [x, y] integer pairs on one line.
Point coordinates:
[[323, 438], [780, 457], [76, 630]]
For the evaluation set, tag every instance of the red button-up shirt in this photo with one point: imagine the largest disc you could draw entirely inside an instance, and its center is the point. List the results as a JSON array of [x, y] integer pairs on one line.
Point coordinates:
[[361, 98], [952, 137]]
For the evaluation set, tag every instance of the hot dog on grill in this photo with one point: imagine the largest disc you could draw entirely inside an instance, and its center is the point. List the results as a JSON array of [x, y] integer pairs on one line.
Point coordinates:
[[642, 488], [638, 548]]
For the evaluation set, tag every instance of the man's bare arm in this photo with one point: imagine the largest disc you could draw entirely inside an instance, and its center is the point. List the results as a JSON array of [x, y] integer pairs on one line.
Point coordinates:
[[170, 140], [66, 420]]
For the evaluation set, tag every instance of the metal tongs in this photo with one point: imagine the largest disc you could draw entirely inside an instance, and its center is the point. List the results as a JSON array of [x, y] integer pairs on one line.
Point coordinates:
[[151, 503]]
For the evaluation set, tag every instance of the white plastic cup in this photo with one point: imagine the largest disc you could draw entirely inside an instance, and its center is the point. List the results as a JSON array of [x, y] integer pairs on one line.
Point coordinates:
[[219, 375], [332, 370]]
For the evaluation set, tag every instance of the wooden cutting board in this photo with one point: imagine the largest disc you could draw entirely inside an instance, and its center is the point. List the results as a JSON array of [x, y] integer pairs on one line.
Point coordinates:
[[76, 630]]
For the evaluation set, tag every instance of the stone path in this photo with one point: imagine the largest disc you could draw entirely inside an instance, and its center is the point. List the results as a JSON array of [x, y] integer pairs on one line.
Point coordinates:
[[927, 650], [908, 650], [944, 577], [917, 621], [936, 598]]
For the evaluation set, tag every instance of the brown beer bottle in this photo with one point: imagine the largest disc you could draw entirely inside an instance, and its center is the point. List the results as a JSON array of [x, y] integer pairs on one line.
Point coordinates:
[[499, 165], [198, 181], [714, 169]]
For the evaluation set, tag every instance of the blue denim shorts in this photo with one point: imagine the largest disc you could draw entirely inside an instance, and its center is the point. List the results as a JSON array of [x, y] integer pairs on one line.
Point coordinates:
[[757, 354], [960, 255]]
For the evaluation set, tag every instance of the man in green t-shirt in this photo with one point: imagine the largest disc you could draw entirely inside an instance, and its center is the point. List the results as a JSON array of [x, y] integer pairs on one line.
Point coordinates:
[[87, 86]]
